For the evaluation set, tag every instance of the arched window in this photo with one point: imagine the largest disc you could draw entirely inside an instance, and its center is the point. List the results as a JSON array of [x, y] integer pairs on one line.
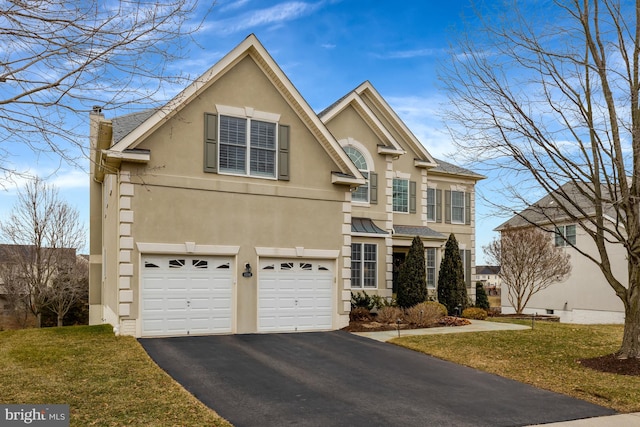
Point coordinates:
[[361, 194]]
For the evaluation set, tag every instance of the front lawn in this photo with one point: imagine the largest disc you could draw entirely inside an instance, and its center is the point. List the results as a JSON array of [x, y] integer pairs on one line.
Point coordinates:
[[105, 380], [546, 357]]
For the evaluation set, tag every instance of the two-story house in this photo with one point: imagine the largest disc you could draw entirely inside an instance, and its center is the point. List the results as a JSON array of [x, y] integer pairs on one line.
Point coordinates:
[[408, 193], [585, 296], [236, 208]]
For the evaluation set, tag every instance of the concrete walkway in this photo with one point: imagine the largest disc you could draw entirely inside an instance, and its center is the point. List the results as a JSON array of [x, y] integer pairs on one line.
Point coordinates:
[[622, 420], [475, 326]]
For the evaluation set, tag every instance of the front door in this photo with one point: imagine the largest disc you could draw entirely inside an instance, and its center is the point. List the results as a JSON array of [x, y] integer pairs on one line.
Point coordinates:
[[398, 260]]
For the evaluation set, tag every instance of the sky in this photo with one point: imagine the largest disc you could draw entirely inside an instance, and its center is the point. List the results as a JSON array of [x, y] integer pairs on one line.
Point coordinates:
[[326, 48]]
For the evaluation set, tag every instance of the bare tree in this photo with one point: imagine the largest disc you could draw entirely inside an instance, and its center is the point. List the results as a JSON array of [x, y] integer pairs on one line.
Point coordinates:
[[529, 262], [60, 57], [13, 289], [551, 103], [44, 232], [69, 286]]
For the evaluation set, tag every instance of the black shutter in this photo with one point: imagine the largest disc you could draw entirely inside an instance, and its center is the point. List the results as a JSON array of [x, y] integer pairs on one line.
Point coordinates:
[[438, 205]]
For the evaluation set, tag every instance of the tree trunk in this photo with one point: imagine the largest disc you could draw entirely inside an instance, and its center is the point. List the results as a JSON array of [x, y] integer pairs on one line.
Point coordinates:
[[39, 320], [631, 339], [59, 320]]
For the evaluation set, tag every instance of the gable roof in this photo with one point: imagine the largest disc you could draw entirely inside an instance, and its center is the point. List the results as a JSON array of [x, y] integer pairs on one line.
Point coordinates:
[[487, 269], [124, 125], [355, 99], [451, 169], [547, 210], [251, 46]]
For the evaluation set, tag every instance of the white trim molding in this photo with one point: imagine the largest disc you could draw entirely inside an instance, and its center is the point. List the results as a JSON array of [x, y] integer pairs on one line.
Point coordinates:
[[186, 248], [297, 252], [249, 112]]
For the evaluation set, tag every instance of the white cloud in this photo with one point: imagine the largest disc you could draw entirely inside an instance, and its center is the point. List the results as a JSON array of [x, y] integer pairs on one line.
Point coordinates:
[[421, 115], [271, 16], [408, 54], [233, 5]]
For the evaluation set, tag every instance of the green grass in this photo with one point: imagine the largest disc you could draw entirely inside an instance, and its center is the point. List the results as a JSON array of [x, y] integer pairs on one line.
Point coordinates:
[[545, 357], [105, 380]]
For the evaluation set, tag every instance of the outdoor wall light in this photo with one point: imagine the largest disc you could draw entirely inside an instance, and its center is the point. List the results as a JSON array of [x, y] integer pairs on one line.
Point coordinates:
[[247, 270]]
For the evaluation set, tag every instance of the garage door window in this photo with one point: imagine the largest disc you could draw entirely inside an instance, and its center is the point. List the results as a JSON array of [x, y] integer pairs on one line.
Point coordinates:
[[364, 265]]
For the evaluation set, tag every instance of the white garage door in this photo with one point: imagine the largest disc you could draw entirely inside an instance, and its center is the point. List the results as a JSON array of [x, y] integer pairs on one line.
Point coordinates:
[[295, 295], [186, 295]]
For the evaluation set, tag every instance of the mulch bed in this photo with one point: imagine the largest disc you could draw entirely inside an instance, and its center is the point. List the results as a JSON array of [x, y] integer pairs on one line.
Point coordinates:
[[373, 326], [611, 364]]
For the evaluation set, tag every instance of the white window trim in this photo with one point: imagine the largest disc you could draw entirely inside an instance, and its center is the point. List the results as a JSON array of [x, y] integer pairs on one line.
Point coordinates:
[[435, 267], [361, 286], [350, 142], [435, 204], [408, 195], [564, 241], [464, 207], [249, 114]]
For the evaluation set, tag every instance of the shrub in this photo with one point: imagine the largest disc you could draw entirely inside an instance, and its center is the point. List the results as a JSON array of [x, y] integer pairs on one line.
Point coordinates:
[[389, 314], [362, 300], [380, 302], [360, 314], [423, 314], [412, 282], [439, 306], [452, 289], [474, 313], [482, 301]]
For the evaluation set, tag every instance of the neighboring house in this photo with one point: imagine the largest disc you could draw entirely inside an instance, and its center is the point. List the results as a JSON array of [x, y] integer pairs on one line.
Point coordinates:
[[585, 296], [489, 276], [236, 209]]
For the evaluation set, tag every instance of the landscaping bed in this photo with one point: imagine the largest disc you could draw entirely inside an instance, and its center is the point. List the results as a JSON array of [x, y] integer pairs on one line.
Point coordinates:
[[373, 325]]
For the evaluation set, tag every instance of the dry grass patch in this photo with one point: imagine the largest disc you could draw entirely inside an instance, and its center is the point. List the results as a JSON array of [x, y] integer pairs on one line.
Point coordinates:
[[546, 357], [105, 380]]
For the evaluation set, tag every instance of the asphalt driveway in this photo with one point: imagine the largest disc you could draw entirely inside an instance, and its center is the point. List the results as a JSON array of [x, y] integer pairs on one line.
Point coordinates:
[[339, 379]]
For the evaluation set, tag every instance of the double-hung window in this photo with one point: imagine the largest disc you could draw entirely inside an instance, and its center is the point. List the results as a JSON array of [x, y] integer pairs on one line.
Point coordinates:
[[430, 259], [565, 235], [457, 207], [247, 142], [431, 204], [400, 195], [247, 147], [364, 258]]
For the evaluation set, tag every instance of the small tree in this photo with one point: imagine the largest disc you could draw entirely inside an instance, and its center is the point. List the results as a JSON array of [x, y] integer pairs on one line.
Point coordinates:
[[412, 282], [13, 285], [452, 289], [43, 231], [529, 262], [482, 301], [67, 288]]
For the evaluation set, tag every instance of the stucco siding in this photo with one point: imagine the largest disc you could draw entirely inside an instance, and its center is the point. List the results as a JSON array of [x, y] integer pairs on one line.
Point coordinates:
[[585, 296]]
